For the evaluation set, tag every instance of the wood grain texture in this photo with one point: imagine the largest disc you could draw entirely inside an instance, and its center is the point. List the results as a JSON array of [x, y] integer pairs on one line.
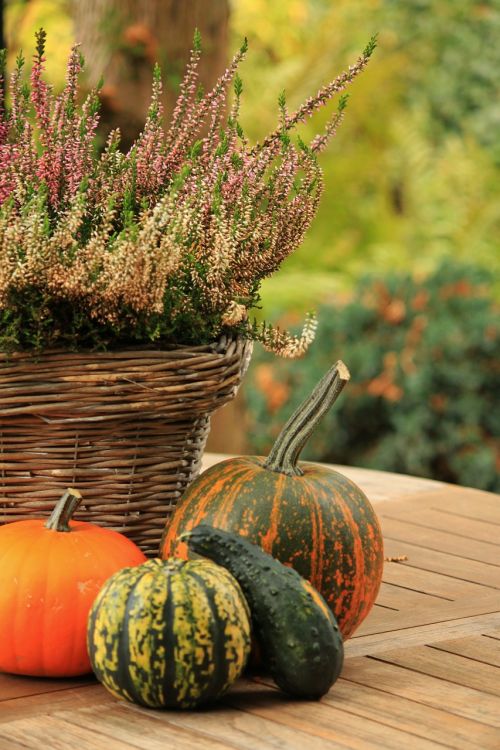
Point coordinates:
[[332, 723], [447, 666], [436, 724], [407, 575], [15, 686], [478, 647], [440, 520], [445, 611], [455, 628], [421, 720], [441, 541], [56, 733], [396, 680], [234, 726], [445, 563], [43, 704], [404, 597]]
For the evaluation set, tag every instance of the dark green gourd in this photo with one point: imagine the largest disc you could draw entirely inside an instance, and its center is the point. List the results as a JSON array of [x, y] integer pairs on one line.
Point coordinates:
[[297, 633]]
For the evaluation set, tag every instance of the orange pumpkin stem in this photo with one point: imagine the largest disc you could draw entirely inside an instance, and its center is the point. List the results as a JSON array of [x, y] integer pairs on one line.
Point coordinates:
[[63, 512], [284, 455]]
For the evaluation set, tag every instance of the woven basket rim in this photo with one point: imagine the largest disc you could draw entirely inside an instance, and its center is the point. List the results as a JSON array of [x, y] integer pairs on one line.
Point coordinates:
[[66, 386], [217, 346]]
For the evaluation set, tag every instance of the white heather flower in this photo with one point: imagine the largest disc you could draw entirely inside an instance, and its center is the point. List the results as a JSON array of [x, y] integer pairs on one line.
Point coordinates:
[[235, 313]]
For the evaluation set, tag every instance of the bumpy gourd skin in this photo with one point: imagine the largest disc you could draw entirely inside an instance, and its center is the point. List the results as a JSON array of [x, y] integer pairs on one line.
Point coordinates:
[[298, 635]]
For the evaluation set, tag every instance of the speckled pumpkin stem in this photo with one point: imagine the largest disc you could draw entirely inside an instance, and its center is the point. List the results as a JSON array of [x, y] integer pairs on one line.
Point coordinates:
[[63, 512], [286, 450]]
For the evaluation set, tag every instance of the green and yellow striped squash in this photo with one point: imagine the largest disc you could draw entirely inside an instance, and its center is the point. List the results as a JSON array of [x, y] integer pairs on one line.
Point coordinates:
[[305, 515], [169, 634]]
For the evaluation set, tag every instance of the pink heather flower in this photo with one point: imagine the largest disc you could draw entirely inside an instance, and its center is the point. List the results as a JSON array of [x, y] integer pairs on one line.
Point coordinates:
[[40, 90]]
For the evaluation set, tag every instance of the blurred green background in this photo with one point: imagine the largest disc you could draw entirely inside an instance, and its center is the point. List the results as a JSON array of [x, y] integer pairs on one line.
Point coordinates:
[[412, 197]]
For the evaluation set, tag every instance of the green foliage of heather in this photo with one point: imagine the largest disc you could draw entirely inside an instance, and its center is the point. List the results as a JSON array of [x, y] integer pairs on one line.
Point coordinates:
[[36, 321], [424, 358]]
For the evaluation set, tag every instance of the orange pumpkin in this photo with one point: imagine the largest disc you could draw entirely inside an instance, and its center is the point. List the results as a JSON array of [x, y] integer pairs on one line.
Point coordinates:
[[51, 573]]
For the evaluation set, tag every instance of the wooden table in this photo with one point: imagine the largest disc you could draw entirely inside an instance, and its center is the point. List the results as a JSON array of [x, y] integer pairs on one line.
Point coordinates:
[[422, 672]]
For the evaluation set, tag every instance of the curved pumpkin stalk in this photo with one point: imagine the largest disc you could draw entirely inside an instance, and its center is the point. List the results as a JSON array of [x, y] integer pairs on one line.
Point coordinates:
[[284, 454], [63, 512]]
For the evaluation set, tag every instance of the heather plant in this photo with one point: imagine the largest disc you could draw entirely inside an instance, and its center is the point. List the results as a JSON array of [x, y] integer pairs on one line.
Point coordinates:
[[167, 243]]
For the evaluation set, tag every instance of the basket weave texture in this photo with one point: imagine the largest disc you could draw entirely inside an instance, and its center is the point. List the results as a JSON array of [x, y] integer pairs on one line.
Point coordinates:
[[126, 428]]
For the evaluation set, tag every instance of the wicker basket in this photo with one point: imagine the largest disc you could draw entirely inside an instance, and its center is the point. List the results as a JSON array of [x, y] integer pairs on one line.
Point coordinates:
[[126, 428]]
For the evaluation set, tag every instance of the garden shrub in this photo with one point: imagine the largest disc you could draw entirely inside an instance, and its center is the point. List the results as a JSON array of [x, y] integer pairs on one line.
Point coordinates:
[[424, 356]]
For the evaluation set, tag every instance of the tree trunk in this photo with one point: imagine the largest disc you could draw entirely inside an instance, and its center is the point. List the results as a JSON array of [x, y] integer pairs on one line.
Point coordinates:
[[122, 39], [3, 45], [2, 27]]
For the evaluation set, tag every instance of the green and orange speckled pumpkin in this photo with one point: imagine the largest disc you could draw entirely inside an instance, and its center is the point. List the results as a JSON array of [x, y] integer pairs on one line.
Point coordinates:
[[307, 516], [171, 634]]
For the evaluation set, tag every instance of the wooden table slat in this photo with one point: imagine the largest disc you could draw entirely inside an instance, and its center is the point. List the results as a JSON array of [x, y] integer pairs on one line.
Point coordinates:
[[440, 520], [444, 611], [441, 541], [336, 724], [477, 647], [56, 734], [43, 703], [377, 642], [445, 563], [466, 501], [495, 633], [144, 729], [425, 721], [406, 575], [16, 686], [396, 680], [403, 598], [447, 666], [259, 723]]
